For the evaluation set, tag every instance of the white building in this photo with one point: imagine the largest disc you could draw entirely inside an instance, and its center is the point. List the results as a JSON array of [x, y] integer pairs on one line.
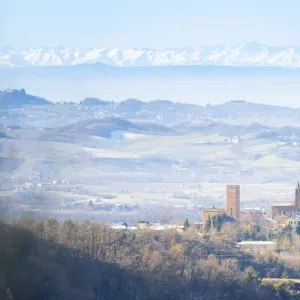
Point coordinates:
[[257, 247]]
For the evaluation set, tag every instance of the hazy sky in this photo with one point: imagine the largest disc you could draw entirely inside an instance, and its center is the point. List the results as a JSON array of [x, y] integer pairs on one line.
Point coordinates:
[[144, 23]]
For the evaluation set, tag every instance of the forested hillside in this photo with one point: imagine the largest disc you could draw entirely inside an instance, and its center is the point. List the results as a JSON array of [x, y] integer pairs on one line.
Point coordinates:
[[49, 260]]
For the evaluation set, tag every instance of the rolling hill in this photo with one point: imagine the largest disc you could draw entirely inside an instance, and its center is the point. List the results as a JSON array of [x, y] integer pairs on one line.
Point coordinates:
[[105, 127], [17, 98]]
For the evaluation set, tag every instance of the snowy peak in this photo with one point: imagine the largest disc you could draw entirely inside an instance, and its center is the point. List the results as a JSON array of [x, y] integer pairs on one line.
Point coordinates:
[[247, 53]]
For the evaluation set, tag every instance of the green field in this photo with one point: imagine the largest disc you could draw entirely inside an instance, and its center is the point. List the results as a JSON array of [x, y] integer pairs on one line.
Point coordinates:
[[275, 161]]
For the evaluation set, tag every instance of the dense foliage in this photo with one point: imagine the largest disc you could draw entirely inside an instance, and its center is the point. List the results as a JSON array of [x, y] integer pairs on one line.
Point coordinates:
[[69, 260]]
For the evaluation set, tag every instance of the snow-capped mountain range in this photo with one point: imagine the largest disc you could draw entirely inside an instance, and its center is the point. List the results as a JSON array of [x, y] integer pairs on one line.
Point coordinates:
[[248, 53]]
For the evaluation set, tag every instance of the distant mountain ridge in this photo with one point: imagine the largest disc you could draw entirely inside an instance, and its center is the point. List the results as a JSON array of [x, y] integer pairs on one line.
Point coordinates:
[[247, 53], [18, 97]]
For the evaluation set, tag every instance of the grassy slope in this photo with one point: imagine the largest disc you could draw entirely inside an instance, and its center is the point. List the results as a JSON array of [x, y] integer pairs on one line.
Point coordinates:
[[275, 161]]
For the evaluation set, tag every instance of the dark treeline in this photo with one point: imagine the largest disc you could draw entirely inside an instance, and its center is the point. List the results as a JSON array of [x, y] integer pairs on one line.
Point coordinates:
[[49, 260]]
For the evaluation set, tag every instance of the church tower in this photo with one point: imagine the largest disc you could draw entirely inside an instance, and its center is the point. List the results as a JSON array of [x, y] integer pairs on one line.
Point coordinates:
[[297, 195]]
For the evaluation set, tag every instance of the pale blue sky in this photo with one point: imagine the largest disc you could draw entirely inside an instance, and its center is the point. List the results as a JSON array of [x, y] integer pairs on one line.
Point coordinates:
[[141, 23]]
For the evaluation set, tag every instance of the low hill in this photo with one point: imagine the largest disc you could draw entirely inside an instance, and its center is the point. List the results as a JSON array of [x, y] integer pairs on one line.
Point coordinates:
[[211, 127], [255, 130], [246, 108], [104, 127], [132, 104], [91, 101], [17, 98], [231, 108]]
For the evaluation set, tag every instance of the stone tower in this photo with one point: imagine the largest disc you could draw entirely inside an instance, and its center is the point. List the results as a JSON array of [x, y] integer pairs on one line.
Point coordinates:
[[297, 195], [233, 201]]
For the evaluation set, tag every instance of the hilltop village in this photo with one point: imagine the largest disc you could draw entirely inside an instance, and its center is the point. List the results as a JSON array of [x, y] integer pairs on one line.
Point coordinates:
[[285, 210], [278, 216], [258, 230]]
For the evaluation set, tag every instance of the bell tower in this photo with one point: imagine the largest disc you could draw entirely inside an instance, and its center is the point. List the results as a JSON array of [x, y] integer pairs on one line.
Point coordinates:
[[297, 195]]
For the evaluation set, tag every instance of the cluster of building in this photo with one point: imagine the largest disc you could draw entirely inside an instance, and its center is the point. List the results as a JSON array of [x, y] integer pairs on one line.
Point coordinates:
[[279, 215], [289, 211], [189, 207], [98, 205], [149, 226]]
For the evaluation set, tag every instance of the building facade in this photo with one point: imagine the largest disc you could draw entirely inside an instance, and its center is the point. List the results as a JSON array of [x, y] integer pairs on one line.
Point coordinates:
[[287, 209], [294, 221], [208, 213]]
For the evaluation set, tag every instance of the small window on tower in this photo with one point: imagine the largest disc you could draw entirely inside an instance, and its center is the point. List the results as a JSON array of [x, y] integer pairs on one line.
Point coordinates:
[[231, 211]]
